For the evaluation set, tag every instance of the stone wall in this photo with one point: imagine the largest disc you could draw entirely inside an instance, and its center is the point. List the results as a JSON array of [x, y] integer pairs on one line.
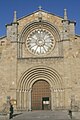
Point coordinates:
[[67, 65]]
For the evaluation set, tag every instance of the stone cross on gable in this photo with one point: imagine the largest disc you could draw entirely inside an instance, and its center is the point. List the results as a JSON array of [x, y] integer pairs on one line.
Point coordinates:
[[40, 7]]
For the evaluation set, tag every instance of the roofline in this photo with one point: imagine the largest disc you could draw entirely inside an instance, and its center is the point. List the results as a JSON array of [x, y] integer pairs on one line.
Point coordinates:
[[3, 37], [36, 12], [77, 35], [71, 21]]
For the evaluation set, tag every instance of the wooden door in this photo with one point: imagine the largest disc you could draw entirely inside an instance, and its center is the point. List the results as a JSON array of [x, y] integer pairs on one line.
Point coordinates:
[[41, 95]]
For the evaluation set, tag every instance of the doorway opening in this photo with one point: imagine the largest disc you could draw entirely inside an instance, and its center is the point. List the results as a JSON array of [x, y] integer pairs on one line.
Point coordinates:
[[45, 103]]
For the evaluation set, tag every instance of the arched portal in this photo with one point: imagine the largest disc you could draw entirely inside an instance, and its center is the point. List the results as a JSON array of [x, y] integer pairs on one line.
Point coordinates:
[[32, 78], [41, 96]]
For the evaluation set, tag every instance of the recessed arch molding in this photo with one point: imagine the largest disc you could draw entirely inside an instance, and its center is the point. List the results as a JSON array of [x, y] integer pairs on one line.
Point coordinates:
[[31, 75], [34, 74]]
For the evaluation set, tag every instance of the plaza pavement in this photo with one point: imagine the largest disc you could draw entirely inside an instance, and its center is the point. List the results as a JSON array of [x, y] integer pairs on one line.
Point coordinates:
[[42, 115]]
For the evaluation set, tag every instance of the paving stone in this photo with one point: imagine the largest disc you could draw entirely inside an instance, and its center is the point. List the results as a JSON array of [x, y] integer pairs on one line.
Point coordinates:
[[42, 115]]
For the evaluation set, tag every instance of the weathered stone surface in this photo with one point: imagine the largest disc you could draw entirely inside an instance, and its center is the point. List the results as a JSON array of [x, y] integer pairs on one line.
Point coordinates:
[[63, 60]]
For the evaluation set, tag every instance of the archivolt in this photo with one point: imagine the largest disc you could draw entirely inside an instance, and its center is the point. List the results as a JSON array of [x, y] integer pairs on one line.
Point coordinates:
[[40, 73], [35, 24]]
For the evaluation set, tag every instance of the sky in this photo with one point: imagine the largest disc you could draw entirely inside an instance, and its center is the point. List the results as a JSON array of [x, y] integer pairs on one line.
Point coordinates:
[[26, 7]]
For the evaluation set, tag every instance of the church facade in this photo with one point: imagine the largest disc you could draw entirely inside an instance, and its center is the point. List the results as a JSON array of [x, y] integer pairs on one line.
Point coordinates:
[[40, 62]]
